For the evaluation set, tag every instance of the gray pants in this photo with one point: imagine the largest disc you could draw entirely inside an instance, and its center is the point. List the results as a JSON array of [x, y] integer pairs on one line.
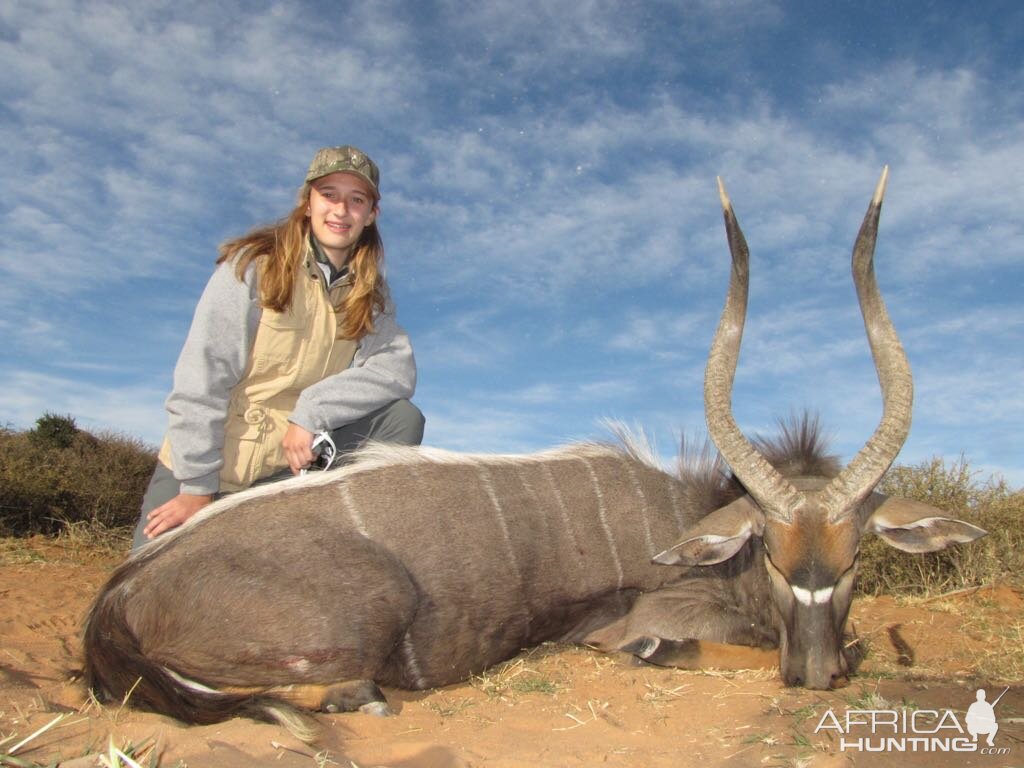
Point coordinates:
[[400, 422]]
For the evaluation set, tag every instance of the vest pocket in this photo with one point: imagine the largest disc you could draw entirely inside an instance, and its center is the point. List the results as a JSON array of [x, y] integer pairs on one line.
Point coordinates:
[[280, 338], [252, 446]]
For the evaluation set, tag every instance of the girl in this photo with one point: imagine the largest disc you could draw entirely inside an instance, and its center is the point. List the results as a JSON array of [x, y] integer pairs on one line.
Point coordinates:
[[294, 335]]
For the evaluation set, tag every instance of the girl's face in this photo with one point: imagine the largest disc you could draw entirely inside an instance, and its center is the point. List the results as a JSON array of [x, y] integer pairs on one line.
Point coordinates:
[[341, 206]]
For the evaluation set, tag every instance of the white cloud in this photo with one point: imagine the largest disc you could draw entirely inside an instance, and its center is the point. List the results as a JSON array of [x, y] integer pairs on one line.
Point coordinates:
[[665, 332], [130, 119], [33, 333], [133, 409]]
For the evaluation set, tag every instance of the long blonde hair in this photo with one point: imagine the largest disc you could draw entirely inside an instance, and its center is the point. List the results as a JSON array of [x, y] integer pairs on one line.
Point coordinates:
[[277, 250]]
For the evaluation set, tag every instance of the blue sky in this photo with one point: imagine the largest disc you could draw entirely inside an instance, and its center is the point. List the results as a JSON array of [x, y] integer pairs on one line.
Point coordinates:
[[550, 214]]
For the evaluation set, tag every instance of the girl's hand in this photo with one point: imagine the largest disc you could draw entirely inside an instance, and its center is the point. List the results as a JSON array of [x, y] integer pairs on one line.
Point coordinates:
[[298, 448], [174, 513]]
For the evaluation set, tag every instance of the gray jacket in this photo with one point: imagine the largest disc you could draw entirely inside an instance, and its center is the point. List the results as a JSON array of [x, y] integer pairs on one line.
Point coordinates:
[[216, 354]]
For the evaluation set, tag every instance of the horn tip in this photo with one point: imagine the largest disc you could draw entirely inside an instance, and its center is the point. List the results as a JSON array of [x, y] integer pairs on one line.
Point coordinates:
[[726, 203], [880, 189]]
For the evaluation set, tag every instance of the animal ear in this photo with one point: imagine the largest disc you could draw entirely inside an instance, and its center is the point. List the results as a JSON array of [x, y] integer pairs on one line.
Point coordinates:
[[914, 526], [718, 536]]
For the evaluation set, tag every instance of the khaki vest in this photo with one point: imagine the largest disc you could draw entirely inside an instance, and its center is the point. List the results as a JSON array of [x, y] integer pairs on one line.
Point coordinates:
[[291, 351]]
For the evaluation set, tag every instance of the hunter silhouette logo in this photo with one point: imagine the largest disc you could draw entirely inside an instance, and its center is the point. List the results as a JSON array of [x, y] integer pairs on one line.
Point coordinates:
[[981, 717], [917, 730]]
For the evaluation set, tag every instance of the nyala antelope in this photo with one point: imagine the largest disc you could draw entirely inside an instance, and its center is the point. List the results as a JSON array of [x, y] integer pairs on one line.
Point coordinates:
[[416, 568]]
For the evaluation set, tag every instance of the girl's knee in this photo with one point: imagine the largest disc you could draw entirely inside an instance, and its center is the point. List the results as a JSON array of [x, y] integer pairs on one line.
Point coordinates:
[[409, 423]]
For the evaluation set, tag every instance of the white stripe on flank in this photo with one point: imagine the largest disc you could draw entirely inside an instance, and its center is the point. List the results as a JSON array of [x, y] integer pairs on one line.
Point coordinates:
[[488, 484], [535, 503], [411, 663], [807, 597], [346, 497], [602, 513], [644, 509], [564, 512]]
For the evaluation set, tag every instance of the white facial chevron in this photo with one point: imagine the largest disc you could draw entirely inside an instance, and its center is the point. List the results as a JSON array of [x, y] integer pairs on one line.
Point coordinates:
[[817, 597]]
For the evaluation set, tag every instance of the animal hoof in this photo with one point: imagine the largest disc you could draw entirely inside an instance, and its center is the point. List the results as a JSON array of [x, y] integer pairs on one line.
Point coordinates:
[[377, 709], [355, 695], [644, 647]]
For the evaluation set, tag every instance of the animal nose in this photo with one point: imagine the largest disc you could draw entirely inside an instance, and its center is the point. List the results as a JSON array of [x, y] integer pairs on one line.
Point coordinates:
[[817, 678], [823, 680]]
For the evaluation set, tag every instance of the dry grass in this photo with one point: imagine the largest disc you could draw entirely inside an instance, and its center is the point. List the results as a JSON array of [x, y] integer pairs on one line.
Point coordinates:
[[82, 543], [987, 644], [447, 707], [660, 694], [517, 677], [11, 745], [993, 647], [16, 750]]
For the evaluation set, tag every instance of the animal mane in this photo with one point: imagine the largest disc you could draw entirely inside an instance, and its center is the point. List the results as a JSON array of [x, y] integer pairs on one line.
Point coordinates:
[[800, 449]]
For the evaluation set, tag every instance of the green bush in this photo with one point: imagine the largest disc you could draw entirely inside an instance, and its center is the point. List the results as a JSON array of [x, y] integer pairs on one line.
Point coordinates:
[[58, 475], [53, 431], [956, 489]]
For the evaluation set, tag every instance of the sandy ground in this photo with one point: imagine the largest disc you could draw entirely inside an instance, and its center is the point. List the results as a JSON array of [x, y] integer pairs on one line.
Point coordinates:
[[552, 706]]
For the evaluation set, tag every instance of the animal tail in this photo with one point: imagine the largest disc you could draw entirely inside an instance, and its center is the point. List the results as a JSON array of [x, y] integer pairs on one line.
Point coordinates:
[[116, 669]]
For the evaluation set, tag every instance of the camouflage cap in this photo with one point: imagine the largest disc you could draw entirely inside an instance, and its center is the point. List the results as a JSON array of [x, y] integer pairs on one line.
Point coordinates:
[[348, 159]]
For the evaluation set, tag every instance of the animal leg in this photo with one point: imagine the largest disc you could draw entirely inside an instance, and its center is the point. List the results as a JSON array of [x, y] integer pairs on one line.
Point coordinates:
[[700, 654], [349, 696], [363, 695], [678, 627]]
